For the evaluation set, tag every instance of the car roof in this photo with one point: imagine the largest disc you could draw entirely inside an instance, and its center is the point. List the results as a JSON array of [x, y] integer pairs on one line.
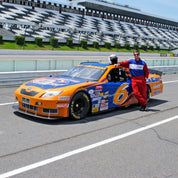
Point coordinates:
[[97, 64]]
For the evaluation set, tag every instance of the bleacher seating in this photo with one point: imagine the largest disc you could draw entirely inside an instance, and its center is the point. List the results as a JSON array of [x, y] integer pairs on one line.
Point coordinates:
[[5, 32], [45, 23]]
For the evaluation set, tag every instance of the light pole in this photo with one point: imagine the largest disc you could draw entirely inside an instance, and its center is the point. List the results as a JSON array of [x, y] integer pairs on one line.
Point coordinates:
[[101, 36], [118, 43], [79, 40], [24, 36], [71, 31]]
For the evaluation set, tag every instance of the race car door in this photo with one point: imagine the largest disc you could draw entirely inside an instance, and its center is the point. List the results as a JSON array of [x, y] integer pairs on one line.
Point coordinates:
[[119, 88]]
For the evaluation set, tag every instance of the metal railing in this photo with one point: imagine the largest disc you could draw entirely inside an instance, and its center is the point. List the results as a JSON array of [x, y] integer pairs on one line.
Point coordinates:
[[19, 77]]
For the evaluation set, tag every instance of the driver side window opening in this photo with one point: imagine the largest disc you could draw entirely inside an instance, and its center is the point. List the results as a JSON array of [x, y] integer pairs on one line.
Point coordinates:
[[117, 75]]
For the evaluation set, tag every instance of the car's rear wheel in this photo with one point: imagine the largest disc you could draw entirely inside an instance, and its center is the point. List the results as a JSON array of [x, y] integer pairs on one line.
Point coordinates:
[[148, 93], [79, 106]]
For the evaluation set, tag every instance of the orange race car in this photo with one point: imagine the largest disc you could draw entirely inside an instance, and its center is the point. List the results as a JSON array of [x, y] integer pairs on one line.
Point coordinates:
[[86, 88]]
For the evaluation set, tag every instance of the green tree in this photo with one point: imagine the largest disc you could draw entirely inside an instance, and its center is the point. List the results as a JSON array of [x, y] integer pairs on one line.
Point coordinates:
[[151, 47], [158, 48], [117, 45], [1, 39], [96, 44], [136, 46], [39, 41], [54, 42], [70, 42], [84, 44], [144, 47], [20, 40], [127, 45], [107, 45]]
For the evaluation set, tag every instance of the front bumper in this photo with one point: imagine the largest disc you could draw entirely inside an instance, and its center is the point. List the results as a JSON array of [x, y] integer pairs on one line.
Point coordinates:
[[35, 114], [44, 108]]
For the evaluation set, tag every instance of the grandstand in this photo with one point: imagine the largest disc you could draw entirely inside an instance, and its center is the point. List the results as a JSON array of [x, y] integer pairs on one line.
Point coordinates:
[[85, 20]]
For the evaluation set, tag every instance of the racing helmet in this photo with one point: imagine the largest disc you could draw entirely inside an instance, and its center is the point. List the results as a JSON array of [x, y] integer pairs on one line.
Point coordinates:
[[113, 59]]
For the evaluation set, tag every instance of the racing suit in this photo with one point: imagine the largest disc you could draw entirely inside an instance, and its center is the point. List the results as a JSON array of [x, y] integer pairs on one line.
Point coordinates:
[[139, 72]]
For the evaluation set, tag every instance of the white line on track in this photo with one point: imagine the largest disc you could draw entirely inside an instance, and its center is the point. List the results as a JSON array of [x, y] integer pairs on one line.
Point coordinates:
[[86, 148], [3, 104], [170, 81]]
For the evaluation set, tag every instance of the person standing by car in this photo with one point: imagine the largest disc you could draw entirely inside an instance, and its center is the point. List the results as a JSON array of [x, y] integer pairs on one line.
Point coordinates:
[[139, 71]]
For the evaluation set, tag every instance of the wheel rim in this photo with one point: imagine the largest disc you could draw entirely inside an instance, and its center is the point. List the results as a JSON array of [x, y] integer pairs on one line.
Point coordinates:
[[78, 107]]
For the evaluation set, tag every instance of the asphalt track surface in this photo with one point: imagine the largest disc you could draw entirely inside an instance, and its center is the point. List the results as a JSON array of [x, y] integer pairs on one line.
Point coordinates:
[[122, 143]]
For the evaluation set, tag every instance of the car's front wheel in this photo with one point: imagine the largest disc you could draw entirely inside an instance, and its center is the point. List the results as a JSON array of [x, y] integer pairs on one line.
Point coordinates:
[[79, 106]]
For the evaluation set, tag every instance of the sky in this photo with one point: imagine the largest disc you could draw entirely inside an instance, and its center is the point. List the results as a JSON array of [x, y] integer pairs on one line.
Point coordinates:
[[163, 8]]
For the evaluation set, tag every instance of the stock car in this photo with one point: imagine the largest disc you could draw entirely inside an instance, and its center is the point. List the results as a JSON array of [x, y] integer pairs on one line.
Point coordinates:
[[86, 88]]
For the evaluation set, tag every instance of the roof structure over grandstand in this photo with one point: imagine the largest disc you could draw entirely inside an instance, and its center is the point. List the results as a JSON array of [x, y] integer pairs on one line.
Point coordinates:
[[125, 11], [89, 20]]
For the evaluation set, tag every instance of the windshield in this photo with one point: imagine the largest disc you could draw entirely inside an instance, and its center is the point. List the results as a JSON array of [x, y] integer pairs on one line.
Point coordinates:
[[84, 72]]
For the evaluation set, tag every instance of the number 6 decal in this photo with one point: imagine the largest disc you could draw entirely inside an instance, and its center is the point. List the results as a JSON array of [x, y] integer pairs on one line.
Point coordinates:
[[121, 94]]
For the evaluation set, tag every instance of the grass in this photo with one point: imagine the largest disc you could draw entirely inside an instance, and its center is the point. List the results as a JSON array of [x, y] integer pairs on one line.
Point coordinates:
[[32, 46]]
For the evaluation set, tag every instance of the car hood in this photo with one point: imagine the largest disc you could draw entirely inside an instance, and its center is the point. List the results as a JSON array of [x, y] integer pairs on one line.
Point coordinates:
[[54, 82]]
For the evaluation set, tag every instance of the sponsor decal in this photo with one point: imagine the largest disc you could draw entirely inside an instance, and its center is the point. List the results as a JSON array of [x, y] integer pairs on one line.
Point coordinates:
[[95, 106], [62, 106], [156, 86], [148, 80], [92, 95], [91, 92], [97, 95], [106, 97], [155, 79], [104, 101], [106, 93], [103, 108], [104, 104], [97, 91], [101, 94], [64, 98], [50, 81], [95, 110], [96, 99], [53, 81], [156, 92], [99, 87]]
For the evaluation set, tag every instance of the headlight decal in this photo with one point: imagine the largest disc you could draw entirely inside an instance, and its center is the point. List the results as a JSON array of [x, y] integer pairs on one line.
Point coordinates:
[[51, 93]]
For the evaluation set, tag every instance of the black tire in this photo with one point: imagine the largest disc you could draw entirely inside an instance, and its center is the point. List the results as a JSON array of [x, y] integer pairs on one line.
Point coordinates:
[[79, 106], [148, 93]]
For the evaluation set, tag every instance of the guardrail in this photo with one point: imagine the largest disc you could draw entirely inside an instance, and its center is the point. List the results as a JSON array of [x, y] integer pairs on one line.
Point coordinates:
[[166, 69], [49, 64], [17, 78]]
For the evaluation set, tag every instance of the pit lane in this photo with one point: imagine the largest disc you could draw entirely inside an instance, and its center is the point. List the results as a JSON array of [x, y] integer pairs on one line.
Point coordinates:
[[151, 153]]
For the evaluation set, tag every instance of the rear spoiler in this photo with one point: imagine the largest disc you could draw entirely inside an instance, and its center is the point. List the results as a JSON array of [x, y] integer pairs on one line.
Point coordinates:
[[157, 72]]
